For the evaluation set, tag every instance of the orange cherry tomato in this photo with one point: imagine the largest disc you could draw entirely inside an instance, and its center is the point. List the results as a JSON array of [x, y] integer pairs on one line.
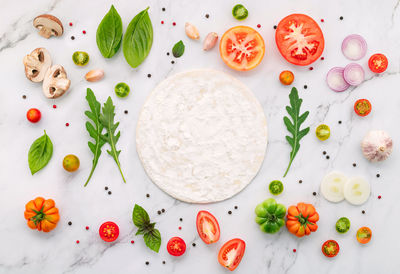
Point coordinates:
[[33, 115], [109, 231], [41, 214], [378, 63], [242, 48], [286, 77], [231, 253], [362, 107], [364, 235]]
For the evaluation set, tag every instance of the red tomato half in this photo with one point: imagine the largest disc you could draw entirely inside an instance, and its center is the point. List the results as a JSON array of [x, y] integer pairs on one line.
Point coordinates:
[[231, 253], [176, 246], [109, 231], [378, 63], [330, 248], [299, 39], [33, 115], [362, 107], [207, 227]]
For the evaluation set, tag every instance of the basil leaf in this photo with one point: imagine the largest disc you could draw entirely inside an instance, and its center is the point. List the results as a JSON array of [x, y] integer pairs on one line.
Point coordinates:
[[178, 49], [138, 39], [153, 240], [109, 33], [40, 153], [140, 217]]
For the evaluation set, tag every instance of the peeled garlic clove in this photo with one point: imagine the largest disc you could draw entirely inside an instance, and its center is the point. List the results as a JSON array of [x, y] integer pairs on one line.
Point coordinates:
[[94, 75], [377, 145], [191, 31], [210, 41]]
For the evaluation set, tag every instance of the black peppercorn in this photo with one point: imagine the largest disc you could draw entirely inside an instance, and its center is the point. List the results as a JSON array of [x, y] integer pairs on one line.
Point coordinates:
[[149, 75], [147, 263], [180, 219], [314, 193], [363, 212], [109, 193], [275, 27], [69, 223], [126, 112], [300, 181], [327, 157], [193, 244], [106, 188], [339, 122], [163, 210], [172, 62], [163, 9], [23, 96], [159, 212], [229, 212], [341, 17], [324, 152], [236, 207], [378, 175], [354, 164], [167, 53], [147, 195], [207, 15], [163, 262], [305, 86], [72, 37]]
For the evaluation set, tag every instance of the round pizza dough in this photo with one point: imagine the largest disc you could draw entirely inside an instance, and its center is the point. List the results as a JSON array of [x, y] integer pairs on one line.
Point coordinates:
[[201, 136]]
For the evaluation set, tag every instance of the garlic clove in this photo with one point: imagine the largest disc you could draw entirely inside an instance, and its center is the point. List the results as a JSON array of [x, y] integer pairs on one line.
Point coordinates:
[[191, 31], [377, 145], [210, 41], [94, 75]]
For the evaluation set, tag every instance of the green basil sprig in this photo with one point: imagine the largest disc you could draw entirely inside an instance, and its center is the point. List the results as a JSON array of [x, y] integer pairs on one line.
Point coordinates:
[[109, 33], [40, 153], [151, 235], [178, 49], [138, 39]]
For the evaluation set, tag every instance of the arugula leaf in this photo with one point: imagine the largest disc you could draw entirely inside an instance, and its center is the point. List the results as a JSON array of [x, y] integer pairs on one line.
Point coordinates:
[[138, 39], [151, 235], [107, 120], [178, 49], [40, 153], [94, 129], [109, 33], [294, 126]]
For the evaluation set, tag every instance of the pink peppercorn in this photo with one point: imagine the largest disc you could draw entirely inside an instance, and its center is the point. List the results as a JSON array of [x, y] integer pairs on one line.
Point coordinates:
[[84, 32], [70, 24], [174, 24], [77, 241], [54, 106], [258, 26]]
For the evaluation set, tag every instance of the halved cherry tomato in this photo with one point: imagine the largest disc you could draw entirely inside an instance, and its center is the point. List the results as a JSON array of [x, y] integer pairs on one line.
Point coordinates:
[[330, 248], [362, 107], [33, 115], [109, 231], [176, 246], [286, 77], [364, 235], [207, 227], [378, 63], [231, 253], [242, 48], [299, 39]]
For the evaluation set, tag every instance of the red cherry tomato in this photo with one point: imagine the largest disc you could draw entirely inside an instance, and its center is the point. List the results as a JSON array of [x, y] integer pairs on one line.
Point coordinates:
[[33, 115], [378, 63], [362, 107], [330, 248], [109, 231], [176, 246], [207, 227], [231, 253]]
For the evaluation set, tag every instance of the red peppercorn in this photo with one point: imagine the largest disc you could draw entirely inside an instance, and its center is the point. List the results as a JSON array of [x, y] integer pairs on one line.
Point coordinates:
[[67, 124], [311, 68], [162, 22], [258, 26], [294, 250], [322, 20], [54, 106], [180, 228], [77, 241], [70, 24], [174, 24], [379, 196], [322, 58], [84, 32], [87, 228], [132, 242]]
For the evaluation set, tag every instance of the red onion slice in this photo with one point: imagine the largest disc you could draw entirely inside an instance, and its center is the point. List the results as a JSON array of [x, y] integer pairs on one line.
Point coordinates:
[[353, 74], [335, 80], [354, 47]]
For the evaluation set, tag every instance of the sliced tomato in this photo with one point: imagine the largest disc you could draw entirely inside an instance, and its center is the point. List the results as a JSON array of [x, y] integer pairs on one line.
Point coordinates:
[[378, 63], [362, 107], [364, 235], [176, 246], [242, 48], [207, 227], [231, 253], [299, 39], [330, 248], [109, 231]]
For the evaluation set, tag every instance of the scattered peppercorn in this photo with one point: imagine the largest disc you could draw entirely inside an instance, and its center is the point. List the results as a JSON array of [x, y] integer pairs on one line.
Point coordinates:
[[147, 263], [379, 196], [378, 175], [148, 195], [172, 62], [77, 241], [229, 212], [236, 207], [54, 106], [67, 124], [106, 188], [69, 223], [300, 181], [275, 27], [327, 157], [354, 164], [294, 250], [322, 58], [87, 228], [163, 210], [149, 75], [109, 193], [84, 31], [163, 262], [23, 96], [194, 244], [207, 16], [322, 20], [310, 68], [163, 9], [324, 152], [258, 26], [162, 22], [363, 212], [174, 24], [159, 212], [126, 112], [70, 24], [341, 17], [180, 219], [339, 122], [180, 228], [167, 53], [72, 37], [305, 86], [132, 242], [314, 193]]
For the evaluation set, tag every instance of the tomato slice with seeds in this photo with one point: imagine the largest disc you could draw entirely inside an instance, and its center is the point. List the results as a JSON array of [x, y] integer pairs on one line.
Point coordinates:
[[362, 107], [242, 48], [109, 231], [330, 248], [299, 39], [364, 235], [231, 253], [378, 63], [176, 246], [207, 227]]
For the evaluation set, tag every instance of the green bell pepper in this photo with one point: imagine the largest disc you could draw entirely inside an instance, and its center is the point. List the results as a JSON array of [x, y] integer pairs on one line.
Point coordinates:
[[270, 216]]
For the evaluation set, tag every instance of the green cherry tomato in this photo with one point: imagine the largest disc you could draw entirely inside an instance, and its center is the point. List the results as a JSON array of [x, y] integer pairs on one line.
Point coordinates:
[[80, 58], [323, 132], [343, 225], [71, 163], [275, 187], [122, 90], [240, 12], [270, 216]]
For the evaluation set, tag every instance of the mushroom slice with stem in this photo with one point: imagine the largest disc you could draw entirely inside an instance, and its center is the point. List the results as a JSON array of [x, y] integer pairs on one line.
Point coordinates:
[[48, 25], [36, 64], [55, 82]]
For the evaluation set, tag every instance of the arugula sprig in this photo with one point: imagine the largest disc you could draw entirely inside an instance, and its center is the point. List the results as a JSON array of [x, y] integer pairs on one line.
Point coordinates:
[[294, 126], [151, 235], [95, 129], [107, 120]]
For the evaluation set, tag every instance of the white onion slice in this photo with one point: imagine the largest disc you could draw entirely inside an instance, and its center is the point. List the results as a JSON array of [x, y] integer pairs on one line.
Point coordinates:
[[354, 47], [335, 80], [353, 74]]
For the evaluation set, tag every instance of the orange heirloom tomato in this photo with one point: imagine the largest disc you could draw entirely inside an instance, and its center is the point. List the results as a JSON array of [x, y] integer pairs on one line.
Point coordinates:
[[302, 219], [41, 214]]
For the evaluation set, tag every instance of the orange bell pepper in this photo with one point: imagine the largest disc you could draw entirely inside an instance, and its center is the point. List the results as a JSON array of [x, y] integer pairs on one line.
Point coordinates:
[[41, 214], [302, 219]]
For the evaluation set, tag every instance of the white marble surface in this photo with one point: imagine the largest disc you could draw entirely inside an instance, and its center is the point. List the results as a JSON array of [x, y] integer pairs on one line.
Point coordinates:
[[26, 251]]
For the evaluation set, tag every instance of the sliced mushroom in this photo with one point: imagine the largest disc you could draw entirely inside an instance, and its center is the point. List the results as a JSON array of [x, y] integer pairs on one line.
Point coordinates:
[[55, 82], [48, 25], [36, 64]]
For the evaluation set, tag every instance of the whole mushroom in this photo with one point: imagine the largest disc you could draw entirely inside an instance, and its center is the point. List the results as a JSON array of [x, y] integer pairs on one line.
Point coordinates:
[[377, 145], [36, 64], [55, 82], [48, 25]]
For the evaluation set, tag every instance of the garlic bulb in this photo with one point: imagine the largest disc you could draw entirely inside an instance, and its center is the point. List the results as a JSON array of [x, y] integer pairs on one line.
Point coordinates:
[[377, 145]]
